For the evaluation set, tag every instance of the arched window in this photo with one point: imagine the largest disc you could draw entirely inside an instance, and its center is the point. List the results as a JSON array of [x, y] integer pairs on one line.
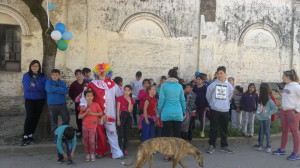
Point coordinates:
[[10, 47]]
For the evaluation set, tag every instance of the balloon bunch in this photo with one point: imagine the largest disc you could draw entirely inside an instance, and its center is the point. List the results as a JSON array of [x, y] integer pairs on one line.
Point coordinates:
[[61, 36]]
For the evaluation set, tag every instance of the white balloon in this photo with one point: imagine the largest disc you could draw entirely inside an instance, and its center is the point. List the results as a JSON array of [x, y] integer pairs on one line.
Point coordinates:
[[56, 35]]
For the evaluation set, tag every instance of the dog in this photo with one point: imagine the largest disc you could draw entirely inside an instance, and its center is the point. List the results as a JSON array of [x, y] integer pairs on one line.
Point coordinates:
[[173, 147]]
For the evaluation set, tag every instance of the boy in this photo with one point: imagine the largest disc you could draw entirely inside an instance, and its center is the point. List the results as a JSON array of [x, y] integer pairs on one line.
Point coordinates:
[[87, 73], [218, 96], [65, 134], [201, 102], [56, 100], [191, 112], [119, 81], [137, 85], [76, 88]]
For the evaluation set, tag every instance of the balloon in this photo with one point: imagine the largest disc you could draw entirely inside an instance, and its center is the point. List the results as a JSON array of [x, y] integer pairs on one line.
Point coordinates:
[[60, 27], [56, 35], [67, 35], [68, 41], [62, 45], [197, 73]]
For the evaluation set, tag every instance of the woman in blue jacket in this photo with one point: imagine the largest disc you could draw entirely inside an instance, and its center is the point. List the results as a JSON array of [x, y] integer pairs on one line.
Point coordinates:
[[34, 93], [171, 106]]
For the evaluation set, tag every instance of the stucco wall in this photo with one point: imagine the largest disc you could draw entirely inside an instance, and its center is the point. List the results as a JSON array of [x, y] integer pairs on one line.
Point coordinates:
[[255, 40]]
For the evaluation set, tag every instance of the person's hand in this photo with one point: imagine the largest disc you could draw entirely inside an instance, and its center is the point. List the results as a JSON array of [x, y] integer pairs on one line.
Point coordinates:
[[157, 116], [82, 108], [72, 154], [80, 95], [32, 84], [184, 116], [238, 110], [147, 121], [65, 156], [103, 118], [206, 109], [118, 123], [90, 113]]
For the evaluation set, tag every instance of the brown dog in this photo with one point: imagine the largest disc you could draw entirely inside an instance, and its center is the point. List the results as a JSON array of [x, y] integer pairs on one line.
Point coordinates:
[[173, 147]]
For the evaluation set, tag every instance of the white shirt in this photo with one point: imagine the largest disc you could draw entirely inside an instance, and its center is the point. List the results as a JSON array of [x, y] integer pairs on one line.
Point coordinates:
[[136, 85], [291, 96]]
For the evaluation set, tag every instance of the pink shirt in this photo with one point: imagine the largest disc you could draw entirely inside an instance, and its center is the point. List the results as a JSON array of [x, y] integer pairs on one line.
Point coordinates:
[[143, 95], [124, 103]]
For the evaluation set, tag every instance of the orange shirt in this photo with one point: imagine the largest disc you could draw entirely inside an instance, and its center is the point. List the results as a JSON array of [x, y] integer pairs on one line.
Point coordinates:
[[90, 121]]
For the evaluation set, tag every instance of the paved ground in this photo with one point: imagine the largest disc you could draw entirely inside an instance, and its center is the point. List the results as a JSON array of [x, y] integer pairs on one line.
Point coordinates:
[[245, 157]]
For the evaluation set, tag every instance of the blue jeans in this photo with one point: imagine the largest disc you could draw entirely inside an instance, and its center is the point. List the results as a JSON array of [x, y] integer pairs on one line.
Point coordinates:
[[68, 144], [264, 129], [148, 131]]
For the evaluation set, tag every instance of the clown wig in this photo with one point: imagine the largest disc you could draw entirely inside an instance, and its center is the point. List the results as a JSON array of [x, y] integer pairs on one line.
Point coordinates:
[[105, 67]]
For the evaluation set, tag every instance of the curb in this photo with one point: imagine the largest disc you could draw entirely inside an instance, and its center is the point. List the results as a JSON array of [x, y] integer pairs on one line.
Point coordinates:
[[46, 147]]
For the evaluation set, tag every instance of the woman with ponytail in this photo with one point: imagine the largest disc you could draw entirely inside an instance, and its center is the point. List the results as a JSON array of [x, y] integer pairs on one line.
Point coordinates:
[[289, 114]]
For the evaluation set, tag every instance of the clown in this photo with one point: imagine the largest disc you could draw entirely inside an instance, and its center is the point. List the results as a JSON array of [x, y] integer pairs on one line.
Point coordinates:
[[105, 93]]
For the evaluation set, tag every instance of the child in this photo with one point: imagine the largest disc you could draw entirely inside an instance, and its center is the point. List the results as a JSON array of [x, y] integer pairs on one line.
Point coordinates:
[[119, 81], [191, 109], [236, 116], [65, 134], [149, 116], [56, 100], [76, 88], [249, 105], [162, 81], [143, 95], [201, 102], [124, 108], [266, 108], [90, 119], [136, 85], [87, 73]]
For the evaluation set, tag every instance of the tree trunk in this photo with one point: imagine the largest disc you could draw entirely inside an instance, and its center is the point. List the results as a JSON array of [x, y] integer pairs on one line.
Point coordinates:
[[49, 54]]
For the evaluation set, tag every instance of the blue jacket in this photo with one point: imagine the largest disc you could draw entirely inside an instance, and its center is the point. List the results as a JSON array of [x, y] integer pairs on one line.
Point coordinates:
[[269, 109], [56, 91], [171, 103], [36, 92]]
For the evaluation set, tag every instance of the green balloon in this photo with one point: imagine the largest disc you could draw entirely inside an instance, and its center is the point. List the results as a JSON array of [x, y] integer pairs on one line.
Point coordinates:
[[62, 45]]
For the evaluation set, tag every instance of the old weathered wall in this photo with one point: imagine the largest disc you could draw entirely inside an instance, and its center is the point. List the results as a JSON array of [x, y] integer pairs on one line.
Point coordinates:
[[252, 39], [255, 40]]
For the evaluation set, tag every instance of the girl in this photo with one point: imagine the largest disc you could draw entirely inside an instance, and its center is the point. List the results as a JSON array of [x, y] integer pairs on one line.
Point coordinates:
[[90, 118], [143, 95], [236, 116], [150, 110], [266, 107], [289, 114], [249, 105], [34, 82], [124, 108]]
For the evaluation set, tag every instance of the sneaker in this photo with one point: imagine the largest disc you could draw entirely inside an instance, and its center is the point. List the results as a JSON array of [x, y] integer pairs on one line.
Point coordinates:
[[202, 135], [227, 150], [259, 148], [93, 159], [256, 146], [87, 157], [279, 152], [166, 158], [70, 162], [250, 135], [126, 153], [99, 156], [25, 141], [61, 160], [245, 134], [210, 149], [121, 157], [293, 156], [268, 150]]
